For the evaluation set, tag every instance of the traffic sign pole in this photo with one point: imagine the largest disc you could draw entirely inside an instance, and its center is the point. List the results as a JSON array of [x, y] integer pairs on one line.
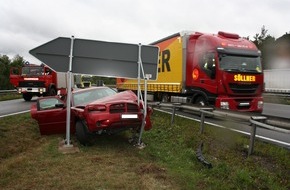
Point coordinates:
[[69, 95]]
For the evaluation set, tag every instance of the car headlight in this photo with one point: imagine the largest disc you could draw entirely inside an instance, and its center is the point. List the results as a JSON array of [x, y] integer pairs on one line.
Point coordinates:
[[225, 105]]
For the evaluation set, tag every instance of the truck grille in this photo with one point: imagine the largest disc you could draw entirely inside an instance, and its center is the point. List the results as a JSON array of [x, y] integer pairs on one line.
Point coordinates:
[[31, 84], [243, 88], [123, 108]]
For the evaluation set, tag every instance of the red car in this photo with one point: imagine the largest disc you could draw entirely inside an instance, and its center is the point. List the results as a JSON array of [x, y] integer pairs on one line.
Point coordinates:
[[94, 110]]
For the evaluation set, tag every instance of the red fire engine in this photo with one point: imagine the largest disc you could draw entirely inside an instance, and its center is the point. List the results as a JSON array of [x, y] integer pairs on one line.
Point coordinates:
[[36, 80]]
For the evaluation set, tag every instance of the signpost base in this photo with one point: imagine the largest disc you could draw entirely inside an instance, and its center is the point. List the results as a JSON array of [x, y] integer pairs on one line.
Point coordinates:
[[67, 149]]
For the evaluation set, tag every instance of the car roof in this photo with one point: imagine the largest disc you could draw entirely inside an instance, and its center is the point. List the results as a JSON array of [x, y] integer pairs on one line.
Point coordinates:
[[77, 90]]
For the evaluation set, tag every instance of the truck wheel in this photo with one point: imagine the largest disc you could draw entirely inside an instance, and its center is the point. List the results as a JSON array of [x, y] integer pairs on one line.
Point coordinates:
[[164, 98], [27, 96], [52, 92], [201, 101], [83, 135]]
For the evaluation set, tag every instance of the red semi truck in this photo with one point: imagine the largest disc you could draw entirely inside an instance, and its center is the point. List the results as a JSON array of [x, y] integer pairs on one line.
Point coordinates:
[[36, 80], [221, 69]]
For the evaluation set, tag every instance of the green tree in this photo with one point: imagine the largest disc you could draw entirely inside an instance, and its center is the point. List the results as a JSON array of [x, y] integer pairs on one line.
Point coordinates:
[[17, 61], [106, 80], [5, 65], [266, 44]]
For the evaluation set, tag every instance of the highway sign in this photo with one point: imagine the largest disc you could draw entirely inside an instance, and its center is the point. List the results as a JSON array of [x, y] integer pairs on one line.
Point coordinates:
[[98, 58]]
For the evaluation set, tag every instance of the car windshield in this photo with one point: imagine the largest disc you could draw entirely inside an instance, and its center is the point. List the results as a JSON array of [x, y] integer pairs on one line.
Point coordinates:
[[85, 97], [236, 63]]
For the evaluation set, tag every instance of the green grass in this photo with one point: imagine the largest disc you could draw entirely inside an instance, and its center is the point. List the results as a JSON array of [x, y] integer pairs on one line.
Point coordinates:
[[31, 161], [175, 146], [10, 96]]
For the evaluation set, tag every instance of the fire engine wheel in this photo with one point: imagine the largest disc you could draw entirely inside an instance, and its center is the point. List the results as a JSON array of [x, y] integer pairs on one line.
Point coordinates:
[[201, 101], [52, 91], [83, 135], [27, 96]]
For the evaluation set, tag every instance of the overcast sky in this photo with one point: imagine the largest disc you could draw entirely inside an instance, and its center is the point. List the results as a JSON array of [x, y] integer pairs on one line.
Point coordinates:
[[26, 24]]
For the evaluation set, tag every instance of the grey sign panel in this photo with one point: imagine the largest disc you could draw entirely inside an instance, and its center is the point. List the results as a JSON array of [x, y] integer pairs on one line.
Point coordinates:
[[98, 57], [55, 54]]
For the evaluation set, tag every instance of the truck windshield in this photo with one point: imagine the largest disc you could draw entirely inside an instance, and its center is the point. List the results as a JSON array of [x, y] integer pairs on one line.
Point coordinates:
[[32, 71], [236, 63]]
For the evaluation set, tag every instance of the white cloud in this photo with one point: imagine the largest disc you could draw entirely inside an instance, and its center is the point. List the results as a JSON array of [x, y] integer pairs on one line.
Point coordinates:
[[26, 24]]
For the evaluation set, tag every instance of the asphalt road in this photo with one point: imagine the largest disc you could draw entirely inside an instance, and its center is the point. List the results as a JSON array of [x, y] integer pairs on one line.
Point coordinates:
[[12, 107], [277, 110]]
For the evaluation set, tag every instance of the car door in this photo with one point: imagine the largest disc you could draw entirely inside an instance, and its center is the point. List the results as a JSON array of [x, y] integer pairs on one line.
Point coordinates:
[[51, 116]]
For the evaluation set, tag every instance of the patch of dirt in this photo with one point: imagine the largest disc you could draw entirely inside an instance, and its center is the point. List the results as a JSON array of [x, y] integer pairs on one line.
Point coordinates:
[[96, 159], [150, 169]]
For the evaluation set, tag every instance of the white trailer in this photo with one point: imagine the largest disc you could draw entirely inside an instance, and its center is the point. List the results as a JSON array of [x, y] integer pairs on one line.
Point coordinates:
[[277, 80]]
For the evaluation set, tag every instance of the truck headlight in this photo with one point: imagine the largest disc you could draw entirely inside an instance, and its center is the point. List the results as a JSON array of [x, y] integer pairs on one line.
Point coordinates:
[[225, 105], [260, 104]]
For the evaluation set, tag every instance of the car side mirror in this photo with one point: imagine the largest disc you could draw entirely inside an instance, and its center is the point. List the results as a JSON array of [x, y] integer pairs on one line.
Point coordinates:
[[60, 105]]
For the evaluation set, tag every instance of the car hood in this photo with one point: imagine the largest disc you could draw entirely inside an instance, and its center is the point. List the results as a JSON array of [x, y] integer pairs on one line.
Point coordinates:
[[125, 96]]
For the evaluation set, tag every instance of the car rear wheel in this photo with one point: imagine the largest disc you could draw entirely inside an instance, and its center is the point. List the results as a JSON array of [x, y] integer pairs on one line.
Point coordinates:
[[82, 133]]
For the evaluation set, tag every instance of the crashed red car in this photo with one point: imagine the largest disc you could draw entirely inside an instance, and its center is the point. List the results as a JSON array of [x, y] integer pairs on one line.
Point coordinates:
[[94, 110]]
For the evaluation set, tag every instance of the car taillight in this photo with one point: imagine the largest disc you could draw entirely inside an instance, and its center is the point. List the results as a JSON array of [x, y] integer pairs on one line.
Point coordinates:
[[96, 108]]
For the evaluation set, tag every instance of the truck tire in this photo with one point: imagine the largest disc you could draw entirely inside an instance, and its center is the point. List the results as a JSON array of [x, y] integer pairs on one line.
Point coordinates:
[[52, 91], [82, 133], [27, 97], [165, 97], [201, 101]]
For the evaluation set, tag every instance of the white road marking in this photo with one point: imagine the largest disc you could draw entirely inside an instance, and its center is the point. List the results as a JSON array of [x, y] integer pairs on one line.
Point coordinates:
[[16, 113]]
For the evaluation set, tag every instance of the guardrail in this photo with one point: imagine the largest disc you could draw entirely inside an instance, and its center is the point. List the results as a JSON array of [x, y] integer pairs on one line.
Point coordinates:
[[254, 121], [7, 91]]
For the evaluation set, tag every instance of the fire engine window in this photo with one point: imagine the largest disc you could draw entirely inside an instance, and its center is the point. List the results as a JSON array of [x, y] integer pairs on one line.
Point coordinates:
[[15, 71], [208, 64]]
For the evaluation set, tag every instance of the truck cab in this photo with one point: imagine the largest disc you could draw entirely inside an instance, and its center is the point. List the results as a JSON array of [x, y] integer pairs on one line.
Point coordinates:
[[224, 70]]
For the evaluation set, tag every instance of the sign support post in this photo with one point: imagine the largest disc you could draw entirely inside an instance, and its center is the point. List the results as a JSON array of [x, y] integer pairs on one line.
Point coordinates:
[[145, 112], [69, 94], [139, 76]]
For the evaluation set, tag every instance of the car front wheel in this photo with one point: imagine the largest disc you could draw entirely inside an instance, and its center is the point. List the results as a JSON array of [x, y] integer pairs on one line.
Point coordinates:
[[82, 133]]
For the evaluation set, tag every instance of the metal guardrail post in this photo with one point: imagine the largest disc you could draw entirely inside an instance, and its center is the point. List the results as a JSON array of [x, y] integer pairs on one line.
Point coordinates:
[[173, 111], [203, 112], [201, 122], [252, 139], [253, 132]]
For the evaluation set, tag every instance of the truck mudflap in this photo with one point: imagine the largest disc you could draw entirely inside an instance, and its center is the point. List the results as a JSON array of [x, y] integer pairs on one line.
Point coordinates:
[[31, 90], [240, 104]]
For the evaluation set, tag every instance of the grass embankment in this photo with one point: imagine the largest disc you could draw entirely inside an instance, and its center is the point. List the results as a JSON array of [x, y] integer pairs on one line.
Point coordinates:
[[29, 161], [10, 96]]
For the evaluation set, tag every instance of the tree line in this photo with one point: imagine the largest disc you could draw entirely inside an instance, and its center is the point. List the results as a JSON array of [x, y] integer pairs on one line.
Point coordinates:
[[5, 65], [267, 44], [272, 49]]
